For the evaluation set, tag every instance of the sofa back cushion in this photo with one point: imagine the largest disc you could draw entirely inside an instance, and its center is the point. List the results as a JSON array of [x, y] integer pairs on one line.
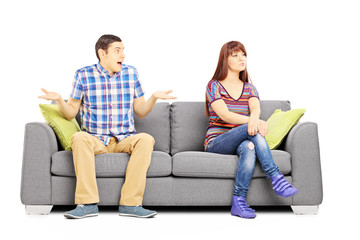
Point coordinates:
[[268, 107], [188, 126], [157, 124], [189, 123]]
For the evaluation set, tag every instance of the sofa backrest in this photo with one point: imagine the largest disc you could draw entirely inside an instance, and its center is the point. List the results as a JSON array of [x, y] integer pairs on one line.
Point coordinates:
[[157, 124], [182, 126], [189, 123]]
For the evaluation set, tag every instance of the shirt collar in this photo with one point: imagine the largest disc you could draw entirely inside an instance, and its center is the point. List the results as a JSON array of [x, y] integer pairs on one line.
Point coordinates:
[[103, 70]]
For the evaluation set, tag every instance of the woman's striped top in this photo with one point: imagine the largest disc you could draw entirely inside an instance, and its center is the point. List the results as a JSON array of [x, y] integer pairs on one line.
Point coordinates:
[[215, 91]]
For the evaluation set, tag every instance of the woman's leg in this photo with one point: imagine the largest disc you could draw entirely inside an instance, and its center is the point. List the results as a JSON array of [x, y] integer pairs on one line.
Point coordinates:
[[245, 168], [281, 186], [228, 143], [264, 155], [244, 171]]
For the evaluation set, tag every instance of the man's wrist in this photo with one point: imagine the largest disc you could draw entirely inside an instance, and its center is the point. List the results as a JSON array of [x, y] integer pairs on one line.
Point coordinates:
[[60, 100], [153, 97]]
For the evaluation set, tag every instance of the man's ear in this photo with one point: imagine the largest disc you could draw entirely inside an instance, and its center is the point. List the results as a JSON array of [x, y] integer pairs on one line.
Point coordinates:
[[101, 53]]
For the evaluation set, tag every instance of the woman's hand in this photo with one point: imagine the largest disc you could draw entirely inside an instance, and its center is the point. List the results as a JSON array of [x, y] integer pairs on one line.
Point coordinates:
[[253, 126], [256, 125], [262, 128]]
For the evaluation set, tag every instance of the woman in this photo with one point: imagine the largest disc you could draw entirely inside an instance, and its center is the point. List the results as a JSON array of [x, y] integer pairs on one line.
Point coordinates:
[[232, 104]]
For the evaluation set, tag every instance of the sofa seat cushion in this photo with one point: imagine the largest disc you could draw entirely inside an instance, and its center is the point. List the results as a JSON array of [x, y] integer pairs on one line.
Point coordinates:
[[111, 164], [212, 165]]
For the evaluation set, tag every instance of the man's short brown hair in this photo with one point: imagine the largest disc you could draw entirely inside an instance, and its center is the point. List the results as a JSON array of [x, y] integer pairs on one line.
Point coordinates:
[[104, 42]]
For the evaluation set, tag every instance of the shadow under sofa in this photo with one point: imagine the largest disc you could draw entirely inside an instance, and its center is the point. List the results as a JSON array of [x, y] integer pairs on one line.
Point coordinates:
[[180, 173]]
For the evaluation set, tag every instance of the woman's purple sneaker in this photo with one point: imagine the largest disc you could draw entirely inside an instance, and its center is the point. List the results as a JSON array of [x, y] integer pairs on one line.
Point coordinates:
[[240, 208], [282, 187]]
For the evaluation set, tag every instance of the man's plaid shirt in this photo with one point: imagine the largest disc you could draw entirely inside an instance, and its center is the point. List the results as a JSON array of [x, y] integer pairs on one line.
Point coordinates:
[[107, 102]]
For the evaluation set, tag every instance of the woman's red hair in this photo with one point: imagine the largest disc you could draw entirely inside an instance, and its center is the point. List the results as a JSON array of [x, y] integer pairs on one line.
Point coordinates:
[[221, 71]]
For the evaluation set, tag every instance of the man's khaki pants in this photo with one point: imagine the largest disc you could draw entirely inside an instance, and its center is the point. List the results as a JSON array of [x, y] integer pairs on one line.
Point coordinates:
[[85, 147]]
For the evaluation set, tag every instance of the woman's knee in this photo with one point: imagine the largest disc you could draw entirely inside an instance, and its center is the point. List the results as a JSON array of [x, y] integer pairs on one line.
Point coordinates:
[[245, 146], [251, 145], [259, 140], [246, 152]]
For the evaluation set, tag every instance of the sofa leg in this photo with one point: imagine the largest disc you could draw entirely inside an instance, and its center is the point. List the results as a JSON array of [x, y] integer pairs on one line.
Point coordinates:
[[301, 210], [38, 209]]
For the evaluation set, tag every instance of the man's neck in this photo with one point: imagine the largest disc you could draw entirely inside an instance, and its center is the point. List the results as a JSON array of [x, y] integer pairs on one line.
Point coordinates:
[[104, 66]]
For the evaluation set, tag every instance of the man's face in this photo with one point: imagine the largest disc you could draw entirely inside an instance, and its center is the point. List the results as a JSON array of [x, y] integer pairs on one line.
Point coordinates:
[[113, 59]]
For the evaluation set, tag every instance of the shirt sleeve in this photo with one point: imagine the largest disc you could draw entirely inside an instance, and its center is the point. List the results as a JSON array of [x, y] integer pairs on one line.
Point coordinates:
[[78, 87], [212, 92], [253, 91], [138, 89]]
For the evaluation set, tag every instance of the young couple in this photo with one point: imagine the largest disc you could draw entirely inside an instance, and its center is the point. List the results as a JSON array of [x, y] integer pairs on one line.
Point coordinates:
[[109, 93]]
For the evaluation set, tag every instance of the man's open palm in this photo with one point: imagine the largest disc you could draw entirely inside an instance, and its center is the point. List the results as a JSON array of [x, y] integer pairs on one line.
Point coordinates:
[[164, 95], [50, 95]]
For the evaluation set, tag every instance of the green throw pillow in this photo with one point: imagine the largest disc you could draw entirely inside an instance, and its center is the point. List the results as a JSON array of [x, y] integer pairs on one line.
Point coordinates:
[[280, 123], [62, 127]]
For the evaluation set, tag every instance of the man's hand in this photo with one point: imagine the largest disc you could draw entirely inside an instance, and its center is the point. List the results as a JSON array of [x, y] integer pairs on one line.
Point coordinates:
[[142, 108], [69, 109], [50, 95], [163, 95]]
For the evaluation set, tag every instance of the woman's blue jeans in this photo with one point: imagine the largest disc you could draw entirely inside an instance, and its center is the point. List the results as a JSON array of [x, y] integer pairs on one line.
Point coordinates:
[[237, 141]]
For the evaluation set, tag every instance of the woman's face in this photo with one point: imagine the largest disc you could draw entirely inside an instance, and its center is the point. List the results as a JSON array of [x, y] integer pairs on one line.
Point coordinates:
[[237, 61]]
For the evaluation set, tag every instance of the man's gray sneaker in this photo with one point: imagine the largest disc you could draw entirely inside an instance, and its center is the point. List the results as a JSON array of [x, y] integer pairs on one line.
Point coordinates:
[[83, 211], [136, 211]]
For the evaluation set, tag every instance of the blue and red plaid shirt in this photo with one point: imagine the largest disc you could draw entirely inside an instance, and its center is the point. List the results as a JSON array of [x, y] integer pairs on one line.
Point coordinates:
[[107, 102]]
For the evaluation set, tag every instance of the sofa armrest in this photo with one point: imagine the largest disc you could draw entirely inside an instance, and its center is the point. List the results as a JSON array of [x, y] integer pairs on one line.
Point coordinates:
[[39, 145], [303, 145]]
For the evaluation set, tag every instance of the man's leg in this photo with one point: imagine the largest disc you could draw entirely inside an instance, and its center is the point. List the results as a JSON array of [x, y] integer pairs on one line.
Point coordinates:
[[84, 147], [140, 146]]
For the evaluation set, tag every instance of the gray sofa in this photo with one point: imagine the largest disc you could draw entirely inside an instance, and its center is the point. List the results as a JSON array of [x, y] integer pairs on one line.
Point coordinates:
[[181, 173]]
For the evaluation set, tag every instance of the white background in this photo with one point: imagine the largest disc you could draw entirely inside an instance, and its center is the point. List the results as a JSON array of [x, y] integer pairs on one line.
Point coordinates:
[[303, 51]]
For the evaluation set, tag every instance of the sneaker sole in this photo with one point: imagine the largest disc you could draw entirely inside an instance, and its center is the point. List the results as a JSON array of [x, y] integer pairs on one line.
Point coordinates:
[[79, 217], [287, 195], [244, 217], [133, 215]]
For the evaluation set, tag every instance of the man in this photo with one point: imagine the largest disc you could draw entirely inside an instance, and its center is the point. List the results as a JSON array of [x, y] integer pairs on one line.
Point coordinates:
[[107, 94]]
